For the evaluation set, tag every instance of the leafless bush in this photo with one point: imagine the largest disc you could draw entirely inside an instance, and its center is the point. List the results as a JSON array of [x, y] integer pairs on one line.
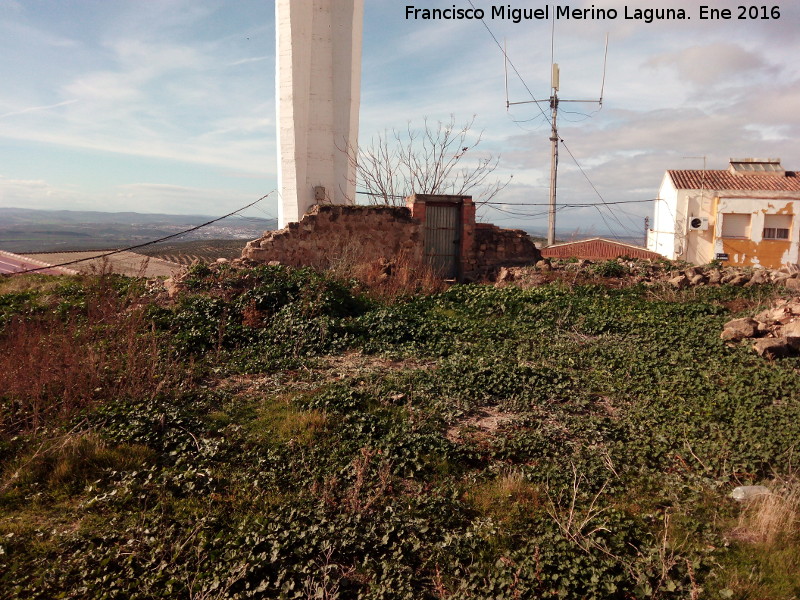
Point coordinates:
[[401, 277], [579, 525], [363, 493], [435, 160]]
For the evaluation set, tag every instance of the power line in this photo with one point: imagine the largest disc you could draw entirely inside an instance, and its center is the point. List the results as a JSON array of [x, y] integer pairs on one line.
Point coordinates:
[[381, 195], [269, 214], [507, 205], [571, 204], [524, 214], [137, 246], [596, 191]]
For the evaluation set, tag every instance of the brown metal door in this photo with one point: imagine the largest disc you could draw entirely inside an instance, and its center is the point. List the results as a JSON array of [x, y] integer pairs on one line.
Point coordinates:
[[442, 237]]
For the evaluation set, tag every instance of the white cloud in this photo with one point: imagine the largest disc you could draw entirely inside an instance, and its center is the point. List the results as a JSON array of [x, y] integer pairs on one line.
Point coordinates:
[[33, 36], [38, 193], [712, 64], [30, 109], [245, 61]]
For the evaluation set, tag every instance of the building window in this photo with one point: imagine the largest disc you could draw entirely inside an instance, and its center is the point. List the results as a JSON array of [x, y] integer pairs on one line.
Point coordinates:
[[735, 225], [776, 227]]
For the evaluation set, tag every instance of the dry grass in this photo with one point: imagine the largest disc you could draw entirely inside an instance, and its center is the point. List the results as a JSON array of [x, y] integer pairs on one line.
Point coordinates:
[[766, 558], [384, 279], [53, 365], [301, 427], [273, 418], [771, 519], [401, 277], [27, 283], [506, 497]]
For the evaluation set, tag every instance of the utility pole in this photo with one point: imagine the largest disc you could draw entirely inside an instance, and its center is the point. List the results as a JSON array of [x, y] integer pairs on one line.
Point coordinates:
[[554, 101], [551, 220]]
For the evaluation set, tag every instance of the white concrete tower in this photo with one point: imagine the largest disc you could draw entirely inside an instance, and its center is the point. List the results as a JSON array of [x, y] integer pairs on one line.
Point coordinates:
[[318, 88]]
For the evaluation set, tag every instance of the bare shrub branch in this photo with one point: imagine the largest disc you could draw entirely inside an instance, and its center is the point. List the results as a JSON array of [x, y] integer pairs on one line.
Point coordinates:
[[434, 160]]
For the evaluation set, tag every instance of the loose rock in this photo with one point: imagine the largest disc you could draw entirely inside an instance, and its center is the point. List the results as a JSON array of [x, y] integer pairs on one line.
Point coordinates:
[[680, 282], [748, 492], [792, 284], [739, 329], [773, 347]]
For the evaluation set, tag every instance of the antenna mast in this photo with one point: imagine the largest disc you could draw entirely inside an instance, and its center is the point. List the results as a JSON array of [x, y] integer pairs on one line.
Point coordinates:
[[551, 220], [554, 101]]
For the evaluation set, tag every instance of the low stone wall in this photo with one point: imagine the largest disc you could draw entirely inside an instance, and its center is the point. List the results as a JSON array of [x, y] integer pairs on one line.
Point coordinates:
[[331, 233], [774, 332], [495, 247], [338, 234]]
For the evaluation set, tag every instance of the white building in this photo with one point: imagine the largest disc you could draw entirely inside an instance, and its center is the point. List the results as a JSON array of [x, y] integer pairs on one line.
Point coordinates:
[[743, 215]]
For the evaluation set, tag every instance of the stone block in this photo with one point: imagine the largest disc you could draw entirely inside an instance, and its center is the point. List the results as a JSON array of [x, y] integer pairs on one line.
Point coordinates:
[[773, 347], [758, 278], [698, 279], [739, 329], [680, 282], [748, 492], [792, 284], [791, 330]]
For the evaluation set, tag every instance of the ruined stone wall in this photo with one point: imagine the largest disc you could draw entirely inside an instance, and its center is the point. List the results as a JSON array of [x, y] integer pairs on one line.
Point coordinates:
[[332, 233], [494, 247]]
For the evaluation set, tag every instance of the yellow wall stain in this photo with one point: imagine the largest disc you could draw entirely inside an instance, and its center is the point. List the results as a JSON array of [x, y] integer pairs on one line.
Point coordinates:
[[771, 254], [747, 253]]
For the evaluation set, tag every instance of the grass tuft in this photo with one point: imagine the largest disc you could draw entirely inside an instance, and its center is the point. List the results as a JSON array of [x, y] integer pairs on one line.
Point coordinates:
[[506, 497], [66, 463], [765, 562]]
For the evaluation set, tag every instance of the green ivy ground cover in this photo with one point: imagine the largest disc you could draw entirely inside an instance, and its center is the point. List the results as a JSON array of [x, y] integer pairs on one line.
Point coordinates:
[[551, 442]]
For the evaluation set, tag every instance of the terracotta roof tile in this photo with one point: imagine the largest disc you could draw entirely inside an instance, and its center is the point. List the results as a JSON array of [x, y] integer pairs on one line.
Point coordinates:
[[696, 179], [597, 249]]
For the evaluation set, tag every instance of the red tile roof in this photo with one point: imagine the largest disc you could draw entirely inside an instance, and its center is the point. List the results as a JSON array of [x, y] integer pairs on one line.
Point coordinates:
[[696, 179], [597, 249]]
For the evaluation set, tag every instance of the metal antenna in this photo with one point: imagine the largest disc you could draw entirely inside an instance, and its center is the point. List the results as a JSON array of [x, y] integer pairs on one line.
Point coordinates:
[[554, 101], [505, 64], [603, 83], [704, 157]]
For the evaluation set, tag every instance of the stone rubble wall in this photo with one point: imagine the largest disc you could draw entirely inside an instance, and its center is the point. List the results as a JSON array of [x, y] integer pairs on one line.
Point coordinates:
[[774, 332], [331, 233], [652, 273], [495, 247], [694, 276], [367, 234]]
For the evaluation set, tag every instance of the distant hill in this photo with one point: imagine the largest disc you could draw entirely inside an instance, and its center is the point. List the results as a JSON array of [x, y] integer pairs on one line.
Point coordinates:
[[28, 230]]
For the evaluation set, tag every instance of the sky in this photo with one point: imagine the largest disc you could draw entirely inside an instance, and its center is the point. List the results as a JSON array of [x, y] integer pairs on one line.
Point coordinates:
[[168, 106]]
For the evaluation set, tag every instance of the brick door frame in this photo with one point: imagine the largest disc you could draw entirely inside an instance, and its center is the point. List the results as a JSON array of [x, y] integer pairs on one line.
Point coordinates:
[[417, 204]]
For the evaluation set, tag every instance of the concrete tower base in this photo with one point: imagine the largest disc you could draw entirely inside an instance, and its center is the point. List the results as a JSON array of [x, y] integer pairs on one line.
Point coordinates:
[[318, 90]]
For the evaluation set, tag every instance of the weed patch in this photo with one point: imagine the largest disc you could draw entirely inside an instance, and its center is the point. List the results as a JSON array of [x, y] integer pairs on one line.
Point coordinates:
[[283, 433]]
